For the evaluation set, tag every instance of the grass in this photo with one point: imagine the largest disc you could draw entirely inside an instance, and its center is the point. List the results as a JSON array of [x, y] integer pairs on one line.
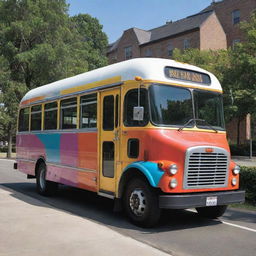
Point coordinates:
[[245, 206], [3, 155]]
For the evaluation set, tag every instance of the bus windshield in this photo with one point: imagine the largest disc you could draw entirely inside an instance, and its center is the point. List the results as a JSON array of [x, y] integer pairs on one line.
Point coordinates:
[[174, 106]]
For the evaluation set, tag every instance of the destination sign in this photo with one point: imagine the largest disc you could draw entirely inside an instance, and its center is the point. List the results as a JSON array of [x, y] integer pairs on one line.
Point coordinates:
[[187, 75]]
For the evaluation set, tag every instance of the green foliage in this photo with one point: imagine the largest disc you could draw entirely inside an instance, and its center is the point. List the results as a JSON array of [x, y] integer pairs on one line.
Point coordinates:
[[39, 44], [248, 183], [241, 76], [93, 40], [242, 150]]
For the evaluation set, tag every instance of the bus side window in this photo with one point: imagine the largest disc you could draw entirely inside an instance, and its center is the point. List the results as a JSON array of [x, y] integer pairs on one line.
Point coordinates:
[[36, 118], [68, 113], [131, 101], [50, 116], [88, 111], [24, 120]]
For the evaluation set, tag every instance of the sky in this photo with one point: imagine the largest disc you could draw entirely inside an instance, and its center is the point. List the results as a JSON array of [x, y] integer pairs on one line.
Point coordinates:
[[119, 15]]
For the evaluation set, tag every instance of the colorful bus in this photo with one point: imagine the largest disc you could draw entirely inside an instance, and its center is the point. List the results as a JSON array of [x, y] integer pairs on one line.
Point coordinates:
[[148, 133]]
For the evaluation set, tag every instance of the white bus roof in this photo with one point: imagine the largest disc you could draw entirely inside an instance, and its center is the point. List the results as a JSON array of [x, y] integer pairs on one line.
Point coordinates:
[[151, 69]]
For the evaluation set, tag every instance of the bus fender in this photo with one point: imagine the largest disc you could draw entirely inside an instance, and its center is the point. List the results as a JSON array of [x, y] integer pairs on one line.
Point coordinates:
[[150, 170]]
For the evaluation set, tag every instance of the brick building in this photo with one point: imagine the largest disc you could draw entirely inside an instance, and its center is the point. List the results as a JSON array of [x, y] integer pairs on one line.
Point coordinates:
[[230, 13], [215, 27]]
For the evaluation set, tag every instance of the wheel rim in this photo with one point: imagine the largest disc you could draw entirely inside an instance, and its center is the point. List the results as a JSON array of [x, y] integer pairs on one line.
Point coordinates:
[[138, 202], [42, 178]]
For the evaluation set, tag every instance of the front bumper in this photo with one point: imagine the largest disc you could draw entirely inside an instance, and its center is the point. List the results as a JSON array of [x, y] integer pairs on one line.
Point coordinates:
[[184, 201]]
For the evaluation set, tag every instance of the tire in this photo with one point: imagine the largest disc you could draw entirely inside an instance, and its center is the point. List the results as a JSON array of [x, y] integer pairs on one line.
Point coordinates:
[[44, 187], [141, 203], [212, 212]]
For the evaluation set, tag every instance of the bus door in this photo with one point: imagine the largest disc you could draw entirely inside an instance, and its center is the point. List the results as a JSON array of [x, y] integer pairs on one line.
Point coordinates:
[[109, 141]]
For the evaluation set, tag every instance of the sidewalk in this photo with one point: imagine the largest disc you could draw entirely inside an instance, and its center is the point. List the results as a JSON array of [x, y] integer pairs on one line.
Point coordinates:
[[30, 227]]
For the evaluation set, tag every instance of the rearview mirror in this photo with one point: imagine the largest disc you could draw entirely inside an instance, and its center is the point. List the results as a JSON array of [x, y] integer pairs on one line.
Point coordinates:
[[138, 113]]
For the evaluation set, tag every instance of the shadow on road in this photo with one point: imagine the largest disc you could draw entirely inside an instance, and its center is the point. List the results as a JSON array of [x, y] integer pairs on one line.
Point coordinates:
[[240, 215], [90, 206]]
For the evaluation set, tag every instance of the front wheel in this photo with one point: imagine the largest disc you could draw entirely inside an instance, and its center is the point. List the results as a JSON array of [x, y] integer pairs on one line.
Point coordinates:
[[44, 187], [212, 212], [141, 203]]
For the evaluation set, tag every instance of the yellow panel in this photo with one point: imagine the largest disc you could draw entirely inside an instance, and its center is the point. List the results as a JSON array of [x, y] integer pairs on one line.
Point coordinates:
[[112, 80]]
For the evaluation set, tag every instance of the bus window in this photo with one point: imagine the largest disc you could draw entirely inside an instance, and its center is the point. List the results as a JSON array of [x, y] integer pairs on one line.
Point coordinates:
[[24, 120], [36, 118], [50, 116], [88, 111], [68, 113], [108, 113], [108, 159], [131, 101]]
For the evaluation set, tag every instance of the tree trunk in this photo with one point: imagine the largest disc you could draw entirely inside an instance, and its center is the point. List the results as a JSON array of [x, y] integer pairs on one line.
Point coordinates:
[[9, 152]]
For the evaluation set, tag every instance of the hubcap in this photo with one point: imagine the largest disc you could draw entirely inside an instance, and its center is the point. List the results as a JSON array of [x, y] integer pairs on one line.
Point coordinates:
[[42, 178], [138, 202]]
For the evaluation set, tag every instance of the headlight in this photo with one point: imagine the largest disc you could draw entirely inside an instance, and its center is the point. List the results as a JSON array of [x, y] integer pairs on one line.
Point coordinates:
[[173, 183], [236, 170], [173, 169], [234, 181]]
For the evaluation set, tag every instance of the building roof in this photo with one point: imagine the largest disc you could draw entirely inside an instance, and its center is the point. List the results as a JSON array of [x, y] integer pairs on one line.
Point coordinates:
[[148, 68], [167, 30], [212, 6], [180, 26]]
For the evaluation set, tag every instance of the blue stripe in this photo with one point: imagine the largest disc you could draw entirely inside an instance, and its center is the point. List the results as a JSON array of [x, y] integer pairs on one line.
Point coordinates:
[[150, 170], [52, 146]]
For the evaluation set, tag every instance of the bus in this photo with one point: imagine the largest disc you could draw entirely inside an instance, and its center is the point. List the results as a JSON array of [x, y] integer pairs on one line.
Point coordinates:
[[148, 133]]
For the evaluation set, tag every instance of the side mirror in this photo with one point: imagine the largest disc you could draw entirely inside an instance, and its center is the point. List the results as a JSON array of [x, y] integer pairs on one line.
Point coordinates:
[[138, 113]]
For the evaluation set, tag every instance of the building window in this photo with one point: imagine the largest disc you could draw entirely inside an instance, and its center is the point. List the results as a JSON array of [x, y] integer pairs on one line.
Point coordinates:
[[148, 53], [170, 50], [186, 44], [128, 52], [234, 42], [236, 16]]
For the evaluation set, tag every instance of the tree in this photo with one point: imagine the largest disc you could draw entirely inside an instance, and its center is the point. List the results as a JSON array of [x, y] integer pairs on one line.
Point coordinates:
[[39, 44], [93, 40], [241, 76]]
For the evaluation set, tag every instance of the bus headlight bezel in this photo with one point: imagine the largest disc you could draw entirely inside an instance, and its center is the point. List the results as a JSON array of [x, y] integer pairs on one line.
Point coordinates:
[[173, 169], [234, 181], [236, 170], [173, 183]]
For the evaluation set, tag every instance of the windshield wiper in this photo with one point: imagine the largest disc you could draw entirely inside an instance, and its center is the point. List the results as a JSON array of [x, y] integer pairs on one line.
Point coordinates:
[[194, 120], [186, 124]]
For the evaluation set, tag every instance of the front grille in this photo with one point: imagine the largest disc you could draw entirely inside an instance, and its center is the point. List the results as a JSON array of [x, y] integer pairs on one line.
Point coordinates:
[[204, 170]]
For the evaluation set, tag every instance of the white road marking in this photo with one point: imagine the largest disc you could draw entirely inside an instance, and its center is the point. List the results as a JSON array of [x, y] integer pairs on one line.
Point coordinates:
[[228, 223], [238, 226]]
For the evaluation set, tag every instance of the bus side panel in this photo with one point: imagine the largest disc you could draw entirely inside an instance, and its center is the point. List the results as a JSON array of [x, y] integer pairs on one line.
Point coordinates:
[[72, 158], [29, 148]]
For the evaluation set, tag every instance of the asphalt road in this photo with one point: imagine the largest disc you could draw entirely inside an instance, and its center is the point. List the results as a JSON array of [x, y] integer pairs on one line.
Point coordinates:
[[179, 232]]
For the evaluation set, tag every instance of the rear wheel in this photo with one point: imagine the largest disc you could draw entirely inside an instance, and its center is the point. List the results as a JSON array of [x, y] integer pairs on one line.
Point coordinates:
[[141, 203], [44, 187], [212, 212]]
